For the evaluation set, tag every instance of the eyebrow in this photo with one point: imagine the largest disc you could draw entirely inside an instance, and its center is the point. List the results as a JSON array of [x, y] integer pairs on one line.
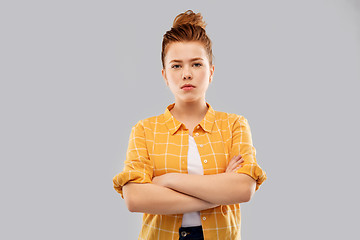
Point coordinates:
[[191, 60]]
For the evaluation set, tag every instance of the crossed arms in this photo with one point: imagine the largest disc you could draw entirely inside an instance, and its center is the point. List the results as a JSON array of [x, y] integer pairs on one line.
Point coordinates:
[[175, 193]]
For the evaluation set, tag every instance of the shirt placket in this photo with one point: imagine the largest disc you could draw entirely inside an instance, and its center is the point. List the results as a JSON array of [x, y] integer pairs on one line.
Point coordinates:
[[200, 139]]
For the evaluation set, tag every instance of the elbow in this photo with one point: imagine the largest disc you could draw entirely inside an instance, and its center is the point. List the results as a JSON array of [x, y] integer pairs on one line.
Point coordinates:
[[243, 197], [246, 197], [131, 206], [130, 199], [248, 193], [246, 190]]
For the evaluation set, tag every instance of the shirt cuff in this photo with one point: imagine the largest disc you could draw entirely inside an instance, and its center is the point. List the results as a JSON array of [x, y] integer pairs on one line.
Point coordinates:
[[254, 171], [129, 176]]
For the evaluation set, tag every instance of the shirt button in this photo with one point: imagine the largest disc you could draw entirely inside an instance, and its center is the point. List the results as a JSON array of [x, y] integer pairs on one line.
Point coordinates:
[[201, 145], [196, 134], [205, 161], [204, 218]]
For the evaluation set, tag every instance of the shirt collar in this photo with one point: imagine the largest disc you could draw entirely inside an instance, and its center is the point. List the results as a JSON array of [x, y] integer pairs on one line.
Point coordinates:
[[173, 124]]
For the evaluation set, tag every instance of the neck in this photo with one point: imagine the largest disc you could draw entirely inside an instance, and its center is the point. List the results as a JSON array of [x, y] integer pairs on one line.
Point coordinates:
[[196, 109]]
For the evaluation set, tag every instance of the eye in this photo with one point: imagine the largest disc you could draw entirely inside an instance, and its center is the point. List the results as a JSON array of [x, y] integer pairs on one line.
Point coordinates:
[[197, 64], [175, 66]]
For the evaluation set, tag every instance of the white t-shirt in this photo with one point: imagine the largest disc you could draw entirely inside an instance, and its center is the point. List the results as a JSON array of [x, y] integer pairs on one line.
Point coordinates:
[[194, 167]]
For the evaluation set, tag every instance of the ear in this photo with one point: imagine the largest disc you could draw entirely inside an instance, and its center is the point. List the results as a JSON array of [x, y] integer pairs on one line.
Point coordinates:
[[212, 69], [163, 73]]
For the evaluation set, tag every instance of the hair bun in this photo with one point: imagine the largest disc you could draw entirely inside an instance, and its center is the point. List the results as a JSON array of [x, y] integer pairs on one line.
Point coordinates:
[[189, 17]]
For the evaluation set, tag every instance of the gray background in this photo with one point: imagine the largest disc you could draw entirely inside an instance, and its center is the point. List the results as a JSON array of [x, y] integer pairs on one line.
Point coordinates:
[[77, 75]]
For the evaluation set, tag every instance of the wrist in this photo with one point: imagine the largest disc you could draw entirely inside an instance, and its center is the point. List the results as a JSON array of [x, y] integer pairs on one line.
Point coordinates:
[[172, 179]]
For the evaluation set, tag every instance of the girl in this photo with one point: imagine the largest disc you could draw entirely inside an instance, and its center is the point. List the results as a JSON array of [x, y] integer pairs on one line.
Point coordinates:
[[189, 168]]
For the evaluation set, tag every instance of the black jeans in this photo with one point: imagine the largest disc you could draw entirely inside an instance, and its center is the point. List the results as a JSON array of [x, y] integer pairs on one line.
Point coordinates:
[[191, 233]]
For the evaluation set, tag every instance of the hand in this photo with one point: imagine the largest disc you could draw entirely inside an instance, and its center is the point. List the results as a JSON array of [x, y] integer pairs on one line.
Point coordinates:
[[162, 180], [234, 164]]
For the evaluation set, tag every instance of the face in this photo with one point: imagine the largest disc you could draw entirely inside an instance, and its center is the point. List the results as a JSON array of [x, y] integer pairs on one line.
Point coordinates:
[[187, 63]]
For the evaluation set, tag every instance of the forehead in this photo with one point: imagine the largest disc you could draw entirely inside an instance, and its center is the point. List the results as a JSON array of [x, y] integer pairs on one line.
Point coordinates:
[[185, 51]]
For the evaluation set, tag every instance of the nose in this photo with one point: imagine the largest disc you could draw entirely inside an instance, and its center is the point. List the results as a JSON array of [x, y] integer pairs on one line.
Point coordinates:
[[187, 73]]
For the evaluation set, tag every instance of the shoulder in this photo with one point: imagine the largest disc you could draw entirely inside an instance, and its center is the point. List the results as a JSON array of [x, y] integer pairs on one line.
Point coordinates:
[[149, 123], [230, 118]]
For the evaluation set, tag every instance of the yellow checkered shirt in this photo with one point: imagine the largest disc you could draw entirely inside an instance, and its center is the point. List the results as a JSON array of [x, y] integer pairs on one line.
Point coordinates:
[[159, 145]]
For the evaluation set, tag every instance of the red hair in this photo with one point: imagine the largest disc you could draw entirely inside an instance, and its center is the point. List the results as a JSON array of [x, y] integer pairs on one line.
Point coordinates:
[[187, 27]]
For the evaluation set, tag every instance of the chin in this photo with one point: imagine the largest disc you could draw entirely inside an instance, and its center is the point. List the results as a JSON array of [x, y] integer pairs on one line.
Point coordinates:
[[189, 100]]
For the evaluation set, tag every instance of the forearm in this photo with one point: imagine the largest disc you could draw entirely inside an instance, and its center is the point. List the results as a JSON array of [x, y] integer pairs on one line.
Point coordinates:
[[223, 188], [155, 199]]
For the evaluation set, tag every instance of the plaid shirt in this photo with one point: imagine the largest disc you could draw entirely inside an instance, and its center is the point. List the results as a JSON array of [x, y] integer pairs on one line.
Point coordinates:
[[159, 145]]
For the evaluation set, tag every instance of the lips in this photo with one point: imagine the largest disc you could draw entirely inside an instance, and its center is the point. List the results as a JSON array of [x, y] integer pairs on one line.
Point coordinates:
[[187, 85]]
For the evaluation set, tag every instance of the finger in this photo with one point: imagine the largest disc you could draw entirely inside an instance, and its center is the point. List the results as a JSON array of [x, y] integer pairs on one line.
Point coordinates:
[[238, 161], [233, 162], [237, 167], [235, 159], [234, 167]]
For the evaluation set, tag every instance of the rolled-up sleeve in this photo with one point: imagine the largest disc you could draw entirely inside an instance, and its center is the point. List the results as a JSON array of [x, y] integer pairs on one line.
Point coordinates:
[[137, 166], [242, 144]]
